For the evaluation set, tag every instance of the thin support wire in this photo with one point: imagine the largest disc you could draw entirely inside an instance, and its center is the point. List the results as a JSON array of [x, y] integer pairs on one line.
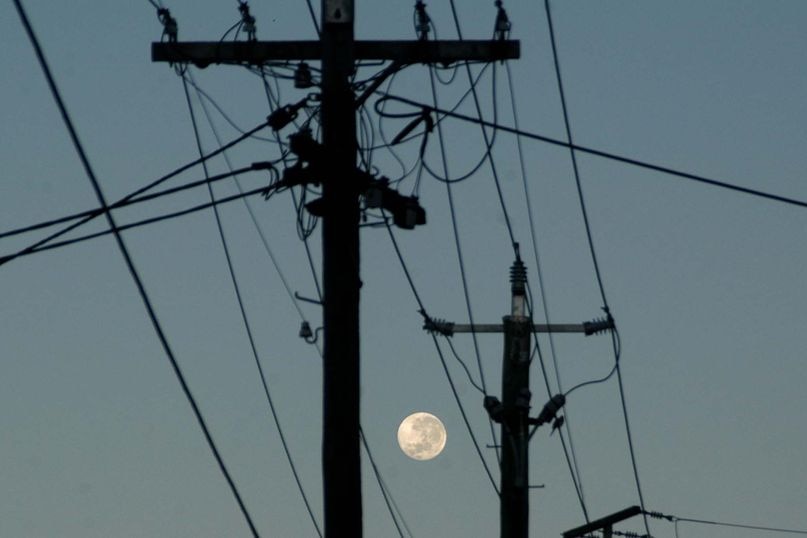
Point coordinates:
[[380, 482], [461, 261], [442, 360], [242, 309]]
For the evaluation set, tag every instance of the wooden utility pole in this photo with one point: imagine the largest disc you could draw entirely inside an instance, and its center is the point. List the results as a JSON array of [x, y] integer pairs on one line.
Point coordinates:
[[341, 456], [514, 505], [513, 411], [339, 209]]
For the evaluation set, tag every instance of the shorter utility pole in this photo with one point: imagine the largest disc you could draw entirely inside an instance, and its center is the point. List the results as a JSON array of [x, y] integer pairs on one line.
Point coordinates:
[[515, 409], [512, 412]]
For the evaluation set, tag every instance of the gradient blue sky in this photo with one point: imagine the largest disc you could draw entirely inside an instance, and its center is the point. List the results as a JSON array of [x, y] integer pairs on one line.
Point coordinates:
[[707, 285]]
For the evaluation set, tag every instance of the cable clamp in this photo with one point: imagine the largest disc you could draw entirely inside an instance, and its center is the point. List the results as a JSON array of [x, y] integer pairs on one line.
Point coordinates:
[[170, 27], [424, 116]]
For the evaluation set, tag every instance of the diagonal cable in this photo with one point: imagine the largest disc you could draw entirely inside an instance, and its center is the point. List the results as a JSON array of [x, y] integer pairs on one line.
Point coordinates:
[[130, 263], [442, 359], [698, 178], [242, 309], [598, 274], [573, 466], [460, 259], [126, 199]]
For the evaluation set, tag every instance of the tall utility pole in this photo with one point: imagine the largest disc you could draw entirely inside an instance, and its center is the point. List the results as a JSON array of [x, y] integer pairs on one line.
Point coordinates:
[[339, 209], [513, 410], [341, 456]]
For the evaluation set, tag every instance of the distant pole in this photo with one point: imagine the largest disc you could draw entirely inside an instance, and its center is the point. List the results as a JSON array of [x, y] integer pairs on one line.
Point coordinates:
[[512, 412], [341, 457], [514, 503]]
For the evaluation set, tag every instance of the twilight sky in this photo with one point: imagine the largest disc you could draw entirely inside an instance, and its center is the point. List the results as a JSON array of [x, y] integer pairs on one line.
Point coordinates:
[[706, 285]]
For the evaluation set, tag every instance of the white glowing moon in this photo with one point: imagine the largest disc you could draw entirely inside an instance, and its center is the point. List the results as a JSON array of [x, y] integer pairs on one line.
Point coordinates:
[[422, 436]]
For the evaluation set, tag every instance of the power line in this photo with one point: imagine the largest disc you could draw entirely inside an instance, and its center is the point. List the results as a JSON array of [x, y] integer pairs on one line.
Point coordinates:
[[603, 154], [313, 16], [124, 203], [489, 157], [423, 164], [473, 383], [242, 309], [675, 519], [572, 153], [461, 262], [572, 462], [442, 360], [488, 142], [130, 263], [384, 493], [273, 107], [153, 220], [223, 114], [36, 246], [387, 495], [247, 205], [597, 272]]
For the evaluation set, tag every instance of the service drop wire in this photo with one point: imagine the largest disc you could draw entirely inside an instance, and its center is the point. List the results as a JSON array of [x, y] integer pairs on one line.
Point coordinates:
[[234, 174], [615, 341], [239, 298], [602, 154], [119, 204], [130, 263], [123, 201], [420, 164], [137, 224]]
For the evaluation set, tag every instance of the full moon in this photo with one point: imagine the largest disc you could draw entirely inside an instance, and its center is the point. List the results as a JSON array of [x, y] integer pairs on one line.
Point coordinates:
[[421, 436]]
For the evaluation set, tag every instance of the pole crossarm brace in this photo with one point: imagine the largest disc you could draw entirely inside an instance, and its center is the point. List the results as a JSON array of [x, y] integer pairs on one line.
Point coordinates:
[[605, 524], [588, 328], [204, 53]]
